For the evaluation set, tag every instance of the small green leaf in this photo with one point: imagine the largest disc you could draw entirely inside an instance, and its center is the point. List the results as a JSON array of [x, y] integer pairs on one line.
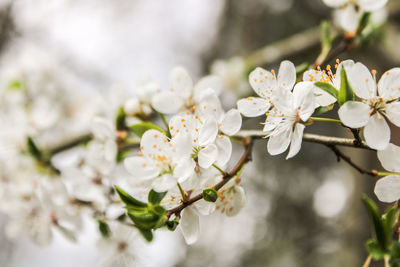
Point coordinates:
[[346, 92], [140, 128], [363, 21], [171, 225], [120, 119], [15, 85], [33, 149], [147, 234], [104, 229], [374, 249], [129, 200], [322, 110], [395, 254], [156, 197], [389, 219], [210, 195], [145, 219], [327, 87], [376, 221]]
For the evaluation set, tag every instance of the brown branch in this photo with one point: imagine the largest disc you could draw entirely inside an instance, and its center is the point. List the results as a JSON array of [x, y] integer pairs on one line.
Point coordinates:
[[312, 138], [246, 157], [69, 144], [340, 155]]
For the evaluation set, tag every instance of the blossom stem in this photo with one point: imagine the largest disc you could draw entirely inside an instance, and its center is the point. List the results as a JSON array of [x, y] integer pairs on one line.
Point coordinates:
[[325, 120], [219, 169], [387, 173], [367, 261]]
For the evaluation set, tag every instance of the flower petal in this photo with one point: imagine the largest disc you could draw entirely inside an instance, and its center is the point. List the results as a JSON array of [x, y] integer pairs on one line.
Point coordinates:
[[190, 225], [102, 129], [205, 207], [389, 84], [211, 81], [224, 147], [280, 141], [361, 80], [262, 82], [180, 82], [377, 132], [253, 106], [354, 114], [393, 113], [390, 158], [287, 75], [164, 183], [162, 102], [184, 169], [208, 132], [207, 156], [297, 138], [335, 3], [182, 144], [155, 143], [238, 201], [372, 5], [387, 189], [141, 168], [303, 99], [232, 122]]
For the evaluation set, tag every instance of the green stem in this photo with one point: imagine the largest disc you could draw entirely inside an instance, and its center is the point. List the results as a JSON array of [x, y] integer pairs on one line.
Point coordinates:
[[182, 192], [219, 169], [325, 120], [387, 259], [387, 173]]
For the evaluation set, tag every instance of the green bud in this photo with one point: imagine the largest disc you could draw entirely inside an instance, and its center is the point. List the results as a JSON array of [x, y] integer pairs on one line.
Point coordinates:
[[210, 195], [104, 229], [171, 225]]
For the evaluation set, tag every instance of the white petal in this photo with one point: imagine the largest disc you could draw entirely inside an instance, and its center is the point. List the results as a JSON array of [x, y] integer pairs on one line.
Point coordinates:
[[297, 138], [102, 129], [387, 189], [110, 150], [190, 225], [208, 132], [224, 146], [283, 100], [390, 158], [140, 167], [315, 76], [205, 207], [180, 82], [272, 120], [181, 125], [184, 169], [262, 82], [210, 106], [372, 5], [323, 98], [304, 100], [354, 114], [239, 201], [278, 143], [377, 132], [344, 64], [155, 143], [208, 155], [389, 84], [211, 81], [182, 144], [361, 80], [347, 18], [163, 183], [393, 113], [162, 102], [232, 122], [253, 106], [287, 75], [132, 106], [335, 3]]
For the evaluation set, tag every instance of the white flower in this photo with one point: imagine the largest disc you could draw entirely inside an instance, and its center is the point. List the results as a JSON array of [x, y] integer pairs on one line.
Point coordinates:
[[387, 189], [231, 198], [323, 98], [182, 94], [264, 83], [190, 225], [163, 161], [294, 108], [377, 102], [367, 5]]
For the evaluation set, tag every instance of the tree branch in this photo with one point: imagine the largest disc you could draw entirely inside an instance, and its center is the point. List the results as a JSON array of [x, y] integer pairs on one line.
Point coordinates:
[[246, 157]]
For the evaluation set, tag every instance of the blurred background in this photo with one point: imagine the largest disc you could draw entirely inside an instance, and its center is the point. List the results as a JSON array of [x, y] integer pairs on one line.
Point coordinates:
[[302, 212]]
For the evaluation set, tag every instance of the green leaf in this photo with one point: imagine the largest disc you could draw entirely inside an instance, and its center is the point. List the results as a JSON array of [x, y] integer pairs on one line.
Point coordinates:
[[156, 197], [326, 37], [171, 225], [327, 87], [210, 195], [147, 234], [322, 110], [363, 21], [140, 128], [346, 92], [104, 229], [34, 150], [374, 249], [15, 85], [146, 219], [120, 119], [129, 200], [376, 221], [389, 219], [395, 253]]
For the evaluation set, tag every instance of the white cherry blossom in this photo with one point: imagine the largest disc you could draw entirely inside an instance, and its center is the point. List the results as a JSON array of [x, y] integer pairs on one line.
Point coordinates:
[[377, 104]]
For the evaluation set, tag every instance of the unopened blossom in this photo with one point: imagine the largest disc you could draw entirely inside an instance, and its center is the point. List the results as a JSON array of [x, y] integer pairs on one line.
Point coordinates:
[[294, 109], [141, 104], [387, 189], [165, 162], [183, 94], [264, 83], [378, 103]]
